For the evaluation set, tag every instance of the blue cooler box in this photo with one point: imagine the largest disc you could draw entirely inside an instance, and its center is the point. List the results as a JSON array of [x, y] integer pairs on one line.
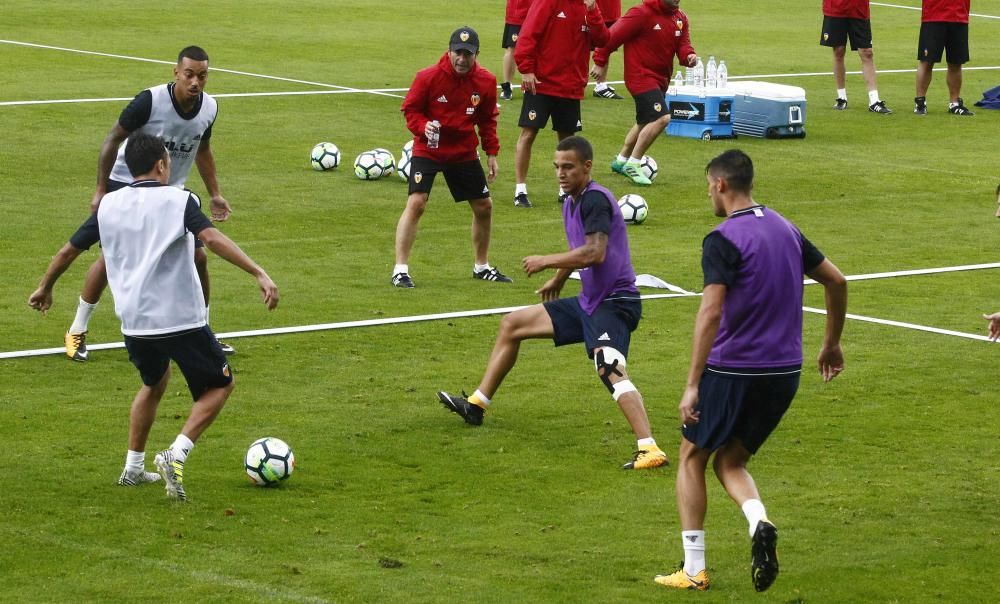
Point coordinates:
[[768, 110], [704, 113]]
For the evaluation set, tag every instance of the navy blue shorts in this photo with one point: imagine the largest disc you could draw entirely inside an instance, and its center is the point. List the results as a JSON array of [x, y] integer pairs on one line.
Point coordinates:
[[611, 324], [196, 352], [743, 404]]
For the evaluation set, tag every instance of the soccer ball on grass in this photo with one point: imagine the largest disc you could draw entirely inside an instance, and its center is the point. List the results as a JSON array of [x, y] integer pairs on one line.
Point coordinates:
[[324, 156], [648, 167], [403, 167], [269, 461], [634, 208], [369, 166]]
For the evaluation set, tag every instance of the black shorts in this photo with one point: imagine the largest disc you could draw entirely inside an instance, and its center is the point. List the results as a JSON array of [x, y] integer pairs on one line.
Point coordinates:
[[466, 180], [510, 33], [650, 106], [836, 31], [938, 36], [536, 109], [743, 404], [612, 323], [196, 352]]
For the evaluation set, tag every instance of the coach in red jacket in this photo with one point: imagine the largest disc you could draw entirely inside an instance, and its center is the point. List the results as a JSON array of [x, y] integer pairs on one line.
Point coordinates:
[[553, 54], [445, 106], [653, 33]]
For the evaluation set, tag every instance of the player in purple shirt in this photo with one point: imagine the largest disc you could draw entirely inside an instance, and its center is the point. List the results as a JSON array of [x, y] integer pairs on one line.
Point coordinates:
[[603, 316], [746, 360]]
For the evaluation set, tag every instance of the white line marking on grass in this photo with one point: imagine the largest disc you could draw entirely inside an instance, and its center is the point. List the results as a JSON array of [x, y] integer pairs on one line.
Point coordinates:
[[947, 332], [204, 576], [460, 314], [231, 71], [222, 95], [918, 8]]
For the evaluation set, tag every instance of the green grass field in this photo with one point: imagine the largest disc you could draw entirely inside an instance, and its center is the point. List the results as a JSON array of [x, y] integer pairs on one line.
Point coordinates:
[[883, 482]]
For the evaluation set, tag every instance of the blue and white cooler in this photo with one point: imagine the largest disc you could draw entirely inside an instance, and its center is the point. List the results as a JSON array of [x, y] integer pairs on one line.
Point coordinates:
[[696, 112], [767, 110]]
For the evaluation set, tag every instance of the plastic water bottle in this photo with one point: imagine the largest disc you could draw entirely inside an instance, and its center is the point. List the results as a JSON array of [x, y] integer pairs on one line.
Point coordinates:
[[678, 79], [699, 73], [435, 138], [723, 75], [712, 73], [689, 76]]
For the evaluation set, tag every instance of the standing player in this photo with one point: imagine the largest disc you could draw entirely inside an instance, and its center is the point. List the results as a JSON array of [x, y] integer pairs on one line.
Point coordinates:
[[182, 114], [745, 360], [445, 106], [612, 11], [516, 11], [944, 25], [148, 230], [843, 19], [653, 33], [552, 54], [603, 316]]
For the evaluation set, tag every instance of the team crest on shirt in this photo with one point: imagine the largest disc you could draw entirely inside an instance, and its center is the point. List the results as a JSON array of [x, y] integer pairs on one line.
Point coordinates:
[[532, 115], [657, 107], [680, 24], [475, 99], [417, 177]]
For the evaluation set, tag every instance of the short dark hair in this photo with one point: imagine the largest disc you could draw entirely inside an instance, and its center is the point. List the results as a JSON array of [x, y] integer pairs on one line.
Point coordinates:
[[142, 151], [195, 53], [736, 167], [579, 144]]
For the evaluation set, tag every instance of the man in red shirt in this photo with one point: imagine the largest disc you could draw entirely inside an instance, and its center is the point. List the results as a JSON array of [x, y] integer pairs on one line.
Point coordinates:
[[553, 54], [653, 33], [516, 11], [445, 106], [944, 24], [612, 11], [843, 19]]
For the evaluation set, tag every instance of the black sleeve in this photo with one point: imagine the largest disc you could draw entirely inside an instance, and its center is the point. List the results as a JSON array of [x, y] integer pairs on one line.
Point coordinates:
[[194, 220], [136, 114], [720, 260], [811, 257], [87, 235], [596, 213], [208, 133]]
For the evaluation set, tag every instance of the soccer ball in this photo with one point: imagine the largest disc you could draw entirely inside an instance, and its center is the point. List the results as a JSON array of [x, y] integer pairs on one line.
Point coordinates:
[[403, 167], [648, 166], [324, 156], [269, 461], [634, 209], [369, 166], [388, 161]]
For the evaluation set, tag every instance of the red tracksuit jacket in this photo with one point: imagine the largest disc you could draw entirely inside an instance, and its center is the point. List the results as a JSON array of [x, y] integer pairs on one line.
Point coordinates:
[[516, 10], [555, 43], [652, 37], [461, 104]]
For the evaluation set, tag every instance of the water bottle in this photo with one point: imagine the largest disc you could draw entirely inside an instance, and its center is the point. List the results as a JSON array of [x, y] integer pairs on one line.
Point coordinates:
[[678, 79], [689, 76], [435, 138], [723, 75], [712, 73], [699, 73]]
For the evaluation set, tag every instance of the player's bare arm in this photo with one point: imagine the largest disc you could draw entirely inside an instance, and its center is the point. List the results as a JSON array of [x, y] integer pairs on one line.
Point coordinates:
[[205, 160], [106, 161], [226, 248], [831, 357], [41, 298], [706, 326], [590, 253]]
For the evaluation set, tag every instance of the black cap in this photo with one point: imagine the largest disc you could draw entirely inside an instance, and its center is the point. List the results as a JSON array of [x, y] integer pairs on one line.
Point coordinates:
[[464, 38]]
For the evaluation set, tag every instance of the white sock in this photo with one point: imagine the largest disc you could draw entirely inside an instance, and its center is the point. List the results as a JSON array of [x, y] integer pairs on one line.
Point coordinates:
[[520, 188], [207, 310], [181, 448], [753, 509], [621, 158], [873, 97], [600, 86], [481, 267], [635, 160], [401, 268], [135, 461], [482, 397], [642, 442], [842, 93], [83, 311], [694, 551]]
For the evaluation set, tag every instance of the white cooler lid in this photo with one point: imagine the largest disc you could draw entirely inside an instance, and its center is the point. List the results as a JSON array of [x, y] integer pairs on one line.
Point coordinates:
[[767, 90], [695, 91]]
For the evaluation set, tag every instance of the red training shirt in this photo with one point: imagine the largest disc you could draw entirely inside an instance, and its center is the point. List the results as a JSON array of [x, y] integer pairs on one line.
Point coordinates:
[[461, 103], [951, 11], [847, 9], [555, 43], [611, 9], [652, 36], [516, 11]]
